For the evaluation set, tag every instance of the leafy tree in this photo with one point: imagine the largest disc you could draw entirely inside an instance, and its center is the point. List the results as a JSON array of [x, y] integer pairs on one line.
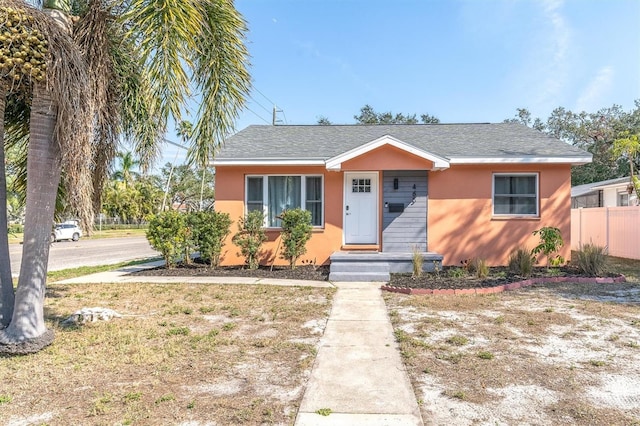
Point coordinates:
[[369, 116], [134, 202], [324, 121], [250, 237], [125, 173], [593, 132], [296, 231], [628, 148], [185, 187], [106, 74]]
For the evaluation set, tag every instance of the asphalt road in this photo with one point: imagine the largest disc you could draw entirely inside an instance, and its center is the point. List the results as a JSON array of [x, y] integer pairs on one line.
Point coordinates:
[[103, 251]]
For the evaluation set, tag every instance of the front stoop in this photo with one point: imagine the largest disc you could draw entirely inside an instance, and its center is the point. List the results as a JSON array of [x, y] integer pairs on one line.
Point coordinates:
[[360, 266]]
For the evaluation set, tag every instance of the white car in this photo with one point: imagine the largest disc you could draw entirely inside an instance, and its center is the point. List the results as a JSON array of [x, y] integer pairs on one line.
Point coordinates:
[[66, 231]]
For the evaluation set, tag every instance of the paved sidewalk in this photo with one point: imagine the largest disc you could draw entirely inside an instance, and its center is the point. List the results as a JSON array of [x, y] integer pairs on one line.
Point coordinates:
[[358, 373]]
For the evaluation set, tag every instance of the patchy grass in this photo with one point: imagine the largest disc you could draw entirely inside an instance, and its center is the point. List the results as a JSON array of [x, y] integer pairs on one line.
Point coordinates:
[[628, 267], [549, 354], [177, 356]]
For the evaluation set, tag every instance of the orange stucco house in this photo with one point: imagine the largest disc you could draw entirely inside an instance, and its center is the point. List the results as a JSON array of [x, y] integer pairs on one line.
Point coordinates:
[[451, 191]]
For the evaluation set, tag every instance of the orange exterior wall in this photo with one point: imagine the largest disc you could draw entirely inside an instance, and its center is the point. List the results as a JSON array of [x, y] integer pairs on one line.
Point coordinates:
[[230, 194], [386, 157], [460, 223]]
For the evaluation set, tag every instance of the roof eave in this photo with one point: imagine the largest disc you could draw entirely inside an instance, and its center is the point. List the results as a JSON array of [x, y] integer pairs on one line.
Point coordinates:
[[576, 161], [267, 162]]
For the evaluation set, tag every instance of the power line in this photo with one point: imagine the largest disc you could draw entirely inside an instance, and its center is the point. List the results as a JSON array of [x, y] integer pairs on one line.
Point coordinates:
[[263, 95], [257, 115], [259, 104]]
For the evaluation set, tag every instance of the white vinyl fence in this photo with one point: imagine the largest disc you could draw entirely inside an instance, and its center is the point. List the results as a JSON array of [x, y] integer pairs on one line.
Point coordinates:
[[617, 228]]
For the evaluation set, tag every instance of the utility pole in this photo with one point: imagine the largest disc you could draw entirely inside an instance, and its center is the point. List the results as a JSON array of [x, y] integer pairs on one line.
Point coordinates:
[[274, 120]]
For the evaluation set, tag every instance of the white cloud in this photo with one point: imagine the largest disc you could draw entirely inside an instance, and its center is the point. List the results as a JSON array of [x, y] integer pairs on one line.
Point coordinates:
[[589, 99], [556, 47]]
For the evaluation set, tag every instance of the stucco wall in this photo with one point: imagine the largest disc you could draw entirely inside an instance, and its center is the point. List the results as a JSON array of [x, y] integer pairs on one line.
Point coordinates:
[[230, 193], [460, 221]]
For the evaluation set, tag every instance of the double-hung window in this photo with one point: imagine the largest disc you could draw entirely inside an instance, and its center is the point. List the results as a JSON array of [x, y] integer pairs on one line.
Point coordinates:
[[274, 194], [515, 194]]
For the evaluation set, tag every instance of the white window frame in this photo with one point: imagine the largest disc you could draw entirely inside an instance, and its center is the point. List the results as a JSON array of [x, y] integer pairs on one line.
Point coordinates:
[[493, 195], [303, 194]]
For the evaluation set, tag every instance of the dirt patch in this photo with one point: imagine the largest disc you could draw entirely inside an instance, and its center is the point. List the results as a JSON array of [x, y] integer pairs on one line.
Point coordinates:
[[550, 354]]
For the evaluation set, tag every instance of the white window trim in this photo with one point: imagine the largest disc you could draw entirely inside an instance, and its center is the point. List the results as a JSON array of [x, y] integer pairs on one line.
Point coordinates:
[[493, 195], [265, 195]]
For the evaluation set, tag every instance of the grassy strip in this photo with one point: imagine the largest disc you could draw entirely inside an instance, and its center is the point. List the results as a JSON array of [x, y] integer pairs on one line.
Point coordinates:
[[17, 238], [65, 274]]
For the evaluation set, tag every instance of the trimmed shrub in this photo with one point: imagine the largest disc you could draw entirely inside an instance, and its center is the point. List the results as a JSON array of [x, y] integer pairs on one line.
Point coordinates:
[[250, 237], [296, 231], [521, 261], [168, 233], [210, 228], [592, 259]]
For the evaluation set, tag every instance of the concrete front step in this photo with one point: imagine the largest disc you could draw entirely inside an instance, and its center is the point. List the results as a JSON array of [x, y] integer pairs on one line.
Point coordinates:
[[363, 266], [373, 266], [359, 276]]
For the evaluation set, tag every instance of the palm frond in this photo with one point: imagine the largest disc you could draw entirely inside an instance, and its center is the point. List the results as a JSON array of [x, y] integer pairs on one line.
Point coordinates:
[[221, 74], [164, 31]]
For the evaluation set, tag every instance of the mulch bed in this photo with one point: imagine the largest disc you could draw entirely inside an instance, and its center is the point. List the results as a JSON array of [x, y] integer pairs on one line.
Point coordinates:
[[198, 269], [499, 278]]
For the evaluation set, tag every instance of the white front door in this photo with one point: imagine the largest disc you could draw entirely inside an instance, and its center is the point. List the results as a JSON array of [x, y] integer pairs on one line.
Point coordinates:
[[361, 208]]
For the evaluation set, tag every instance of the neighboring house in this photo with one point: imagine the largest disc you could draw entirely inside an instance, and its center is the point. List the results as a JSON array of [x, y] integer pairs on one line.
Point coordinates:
[[458, 190], [606, 193]]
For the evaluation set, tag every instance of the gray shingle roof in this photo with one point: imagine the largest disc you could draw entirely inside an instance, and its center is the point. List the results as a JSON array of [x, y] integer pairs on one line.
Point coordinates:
[[315, 142]]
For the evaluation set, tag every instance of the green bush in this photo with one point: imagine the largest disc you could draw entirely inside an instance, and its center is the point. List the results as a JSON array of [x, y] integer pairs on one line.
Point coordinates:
[[250, 237], [168, 233], [210, 228], [521, 261], [296, 231], [550, 242], [592, 259]]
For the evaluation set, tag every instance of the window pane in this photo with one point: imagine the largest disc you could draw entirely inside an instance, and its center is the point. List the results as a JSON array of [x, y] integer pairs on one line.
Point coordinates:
[[313, 188], [254, 194], [515, 195], [254, 189], [284, 194]]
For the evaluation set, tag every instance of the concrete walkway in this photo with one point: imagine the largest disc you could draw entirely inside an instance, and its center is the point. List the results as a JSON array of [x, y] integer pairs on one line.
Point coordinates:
[[357, 374]]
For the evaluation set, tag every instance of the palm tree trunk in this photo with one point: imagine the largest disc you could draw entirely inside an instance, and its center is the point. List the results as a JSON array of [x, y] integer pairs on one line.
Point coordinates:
[[7, 296], [43, 176]]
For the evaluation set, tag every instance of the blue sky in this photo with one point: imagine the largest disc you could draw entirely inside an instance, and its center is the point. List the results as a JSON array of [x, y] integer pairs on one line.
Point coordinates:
[[462, 61]]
